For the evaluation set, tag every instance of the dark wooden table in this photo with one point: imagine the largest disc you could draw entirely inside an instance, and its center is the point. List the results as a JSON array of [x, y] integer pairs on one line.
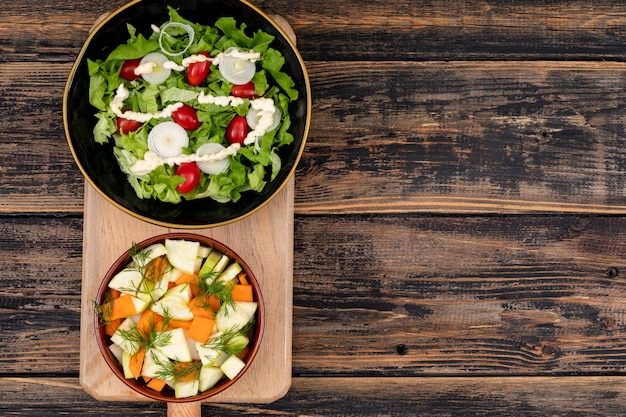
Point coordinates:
[[460, 226]]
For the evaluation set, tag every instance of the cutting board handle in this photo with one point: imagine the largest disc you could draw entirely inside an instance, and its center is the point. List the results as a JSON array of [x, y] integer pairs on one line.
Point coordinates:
[[192, 409]]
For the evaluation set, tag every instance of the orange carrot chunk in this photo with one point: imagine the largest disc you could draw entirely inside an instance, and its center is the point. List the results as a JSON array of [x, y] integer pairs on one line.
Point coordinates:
[[214, 302], [242, 278], [156, 384], [156, 269], [185, 324], [186, 278], [112, 326], [199, 307], [136, 362], [123, 307], [242, 292], [201, 328]]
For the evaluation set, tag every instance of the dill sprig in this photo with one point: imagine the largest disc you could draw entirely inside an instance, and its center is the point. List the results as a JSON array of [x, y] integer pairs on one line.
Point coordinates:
[[104, 310], [151, 337], [230, 341], [171, 370], [208, 286]]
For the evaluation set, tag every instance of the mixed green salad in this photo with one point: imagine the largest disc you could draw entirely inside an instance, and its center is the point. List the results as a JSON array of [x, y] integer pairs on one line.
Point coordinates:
[[194, 111]]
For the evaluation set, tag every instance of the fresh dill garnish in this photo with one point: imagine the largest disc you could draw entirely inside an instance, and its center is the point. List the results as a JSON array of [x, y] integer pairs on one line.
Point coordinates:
[[171, 370], [104, 310], [208, 286], [151, 337], [232, 341]]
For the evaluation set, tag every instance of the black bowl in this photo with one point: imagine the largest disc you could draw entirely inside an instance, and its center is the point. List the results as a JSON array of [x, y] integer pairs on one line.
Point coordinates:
[[97, 162]]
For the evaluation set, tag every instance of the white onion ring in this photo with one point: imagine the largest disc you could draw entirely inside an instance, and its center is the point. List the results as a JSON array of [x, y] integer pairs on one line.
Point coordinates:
[[187, 29], [214, 167]]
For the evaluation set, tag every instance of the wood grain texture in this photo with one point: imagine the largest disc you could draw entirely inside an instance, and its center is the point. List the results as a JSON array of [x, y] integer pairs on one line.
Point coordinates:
[[417, 137], [575, 396], [367, 30], [381, 295]]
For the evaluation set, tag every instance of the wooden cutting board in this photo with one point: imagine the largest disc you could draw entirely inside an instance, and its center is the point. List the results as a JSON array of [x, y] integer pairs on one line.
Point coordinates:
[[264, 239]]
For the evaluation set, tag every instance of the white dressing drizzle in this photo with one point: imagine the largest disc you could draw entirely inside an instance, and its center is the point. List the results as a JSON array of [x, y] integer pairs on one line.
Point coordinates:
[[152, 161], [122, 94]]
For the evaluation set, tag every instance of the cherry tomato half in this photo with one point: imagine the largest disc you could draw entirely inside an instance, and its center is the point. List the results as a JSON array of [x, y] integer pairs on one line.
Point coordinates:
[[127, 125], [198, 71], [237, 130], [244, 90], [191, 172], [186, 117], [128, 69]]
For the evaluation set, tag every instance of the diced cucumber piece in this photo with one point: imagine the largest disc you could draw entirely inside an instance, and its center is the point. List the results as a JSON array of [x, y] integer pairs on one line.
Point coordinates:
[[221, 264], [198, 264], [150, 368], [182, 254], [230, 273], [173, 274], [177, 348], [152, 252], [204, 251], [140, 304], [184, 389], [211, 260], [175, 303], [127, 281], [232, 366], [126, 365], [209, 376], [236, 316], [116, 351], [118, 339]]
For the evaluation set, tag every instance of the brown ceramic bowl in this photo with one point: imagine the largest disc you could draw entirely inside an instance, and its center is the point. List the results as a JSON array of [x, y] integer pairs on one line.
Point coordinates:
[[167, 395], [97, 162]]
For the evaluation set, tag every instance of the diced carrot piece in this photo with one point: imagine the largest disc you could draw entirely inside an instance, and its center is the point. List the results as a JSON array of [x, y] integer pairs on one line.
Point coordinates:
[[214, 302], [186, 278], [136, 362], [242, 278], [156, 384], [112, 326], [155, 269], [114, 293], [180, 369], [149, 319], [242, 292], [123, 307], [199, 308], [201, 328], [185, 324]]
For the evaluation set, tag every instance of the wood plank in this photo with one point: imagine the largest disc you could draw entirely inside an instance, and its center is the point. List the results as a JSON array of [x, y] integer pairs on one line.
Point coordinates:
[[325, 396], [380, 295], [464, 137], [357, 30]]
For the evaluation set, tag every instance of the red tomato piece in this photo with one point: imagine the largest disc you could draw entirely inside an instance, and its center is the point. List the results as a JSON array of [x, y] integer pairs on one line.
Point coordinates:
[[198, 71], [186, 117], [237, 130], [244, 90], [127, 125], [128, 69], [191, 172]]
